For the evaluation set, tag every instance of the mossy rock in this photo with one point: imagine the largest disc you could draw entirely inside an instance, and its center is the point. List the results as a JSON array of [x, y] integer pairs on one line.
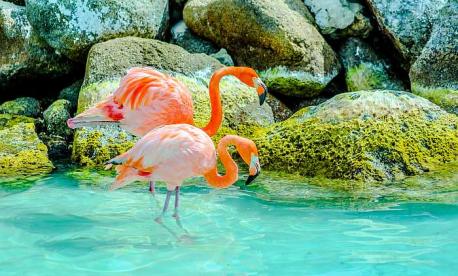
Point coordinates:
[[71, 94], [73, 26], [367, 135], [21, 152], [242, 115], [56, 116], [25, 106], [268, 34]]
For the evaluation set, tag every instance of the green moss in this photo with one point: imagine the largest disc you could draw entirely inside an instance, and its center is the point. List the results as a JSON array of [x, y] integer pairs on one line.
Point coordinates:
[[367, 76], [21, 152], [92, 147], [373, 135], [443, 97], [25, 106]]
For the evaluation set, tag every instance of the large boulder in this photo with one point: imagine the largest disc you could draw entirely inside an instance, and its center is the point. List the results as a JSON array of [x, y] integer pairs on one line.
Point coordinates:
[[183, 37], [339, 18], [407, 23], [21, 152], [364, 69], [25, 106], [277, 35], [56, 116], [365, 135], [73, 26], [434, 74], [24, 55], [109, 61]]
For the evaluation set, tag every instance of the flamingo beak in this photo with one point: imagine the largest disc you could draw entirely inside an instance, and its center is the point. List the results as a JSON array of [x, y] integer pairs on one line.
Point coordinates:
[[255, 169], [261, 88]]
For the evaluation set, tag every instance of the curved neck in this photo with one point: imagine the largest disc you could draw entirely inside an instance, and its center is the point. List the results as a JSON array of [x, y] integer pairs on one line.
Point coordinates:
[[222, 181], [215, 101]]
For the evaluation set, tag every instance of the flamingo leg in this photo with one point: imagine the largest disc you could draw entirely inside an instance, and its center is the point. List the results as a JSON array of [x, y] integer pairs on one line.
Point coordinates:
[[152, 187], [166, 203], [177, 200]]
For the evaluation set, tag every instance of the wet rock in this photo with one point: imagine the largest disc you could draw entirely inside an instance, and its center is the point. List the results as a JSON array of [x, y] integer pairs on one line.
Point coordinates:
[[73, 26], [223, 57], [434, 75], [58, 147], [280, 110], [277, 35], [364, 69], [339, 18], [112, 59], [407, 23], [25, 106], [21, 152], [24, 55], [365, 135], [17, 2], [183, 37], [71, 94], [56, 116]]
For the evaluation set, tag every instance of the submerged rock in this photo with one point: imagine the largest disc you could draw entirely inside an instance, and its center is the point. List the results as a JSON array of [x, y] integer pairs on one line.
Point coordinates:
[[25, 106], [183, 37], [407, 23], [434, 75], [365, 135], [111, 59], [339, 18], [277, 35], [71, 94], [364, 69], [56, 116], [21, 152], [24, 55], [73, 26]]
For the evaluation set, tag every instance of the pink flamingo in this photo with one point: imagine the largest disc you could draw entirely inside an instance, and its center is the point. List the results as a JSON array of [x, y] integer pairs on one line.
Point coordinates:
[[173, 153]]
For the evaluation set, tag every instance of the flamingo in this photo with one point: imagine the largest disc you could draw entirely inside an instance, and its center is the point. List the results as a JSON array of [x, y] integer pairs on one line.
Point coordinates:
[[146, 99], [173, 153]]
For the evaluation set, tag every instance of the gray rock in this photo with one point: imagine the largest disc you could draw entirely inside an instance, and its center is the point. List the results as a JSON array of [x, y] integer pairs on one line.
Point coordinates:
[[25, 106], [71, 94], [17, 2], [223, 57], [24, 55], [58, 146], [364, 69], [277, 35], [407, 23], [73, 26], [56, 116], [183, 37], [280, 110], [339, 18], [434, 75]]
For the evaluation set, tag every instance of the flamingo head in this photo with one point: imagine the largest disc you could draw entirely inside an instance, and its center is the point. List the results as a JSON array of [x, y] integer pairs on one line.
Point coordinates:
[[249, 77], [105, 112], [249, 153]]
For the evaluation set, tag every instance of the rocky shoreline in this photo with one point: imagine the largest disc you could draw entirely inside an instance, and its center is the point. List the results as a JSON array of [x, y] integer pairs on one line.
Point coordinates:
[[361, 90]]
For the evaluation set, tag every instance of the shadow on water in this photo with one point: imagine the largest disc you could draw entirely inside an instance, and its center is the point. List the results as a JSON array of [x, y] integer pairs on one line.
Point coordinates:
[[50, 224]]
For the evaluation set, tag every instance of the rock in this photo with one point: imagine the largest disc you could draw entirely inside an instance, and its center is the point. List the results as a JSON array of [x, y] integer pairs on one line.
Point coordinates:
[[223, 57], [434, 75], [407, 23], [365, 135], [111, 59], [277, 35], [176, 10], [73, 26], [183, 37], [24, 55], [17, 2], [21, 152], [364, 69], [339, 18], [280, 110], [58, 147], [56, 116], [242, 115], [25, 106], [71, 94]]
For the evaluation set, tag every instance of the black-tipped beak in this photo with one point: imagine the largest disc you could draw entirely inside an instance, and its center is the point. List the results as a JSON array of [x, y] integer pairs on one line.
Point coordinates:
[[263, 96], [251, 178]]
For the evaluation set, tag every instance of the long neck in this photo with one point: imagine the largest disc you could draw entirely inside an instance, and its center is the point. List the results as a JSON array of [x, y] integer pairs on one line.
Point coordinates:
[[222, 181], [215, 101]]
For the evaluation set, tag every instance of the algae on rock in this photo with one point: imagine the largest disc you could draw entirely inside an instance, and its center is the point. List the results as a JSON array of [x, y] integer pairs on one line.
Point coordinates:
[[366, 135], [21, 152]]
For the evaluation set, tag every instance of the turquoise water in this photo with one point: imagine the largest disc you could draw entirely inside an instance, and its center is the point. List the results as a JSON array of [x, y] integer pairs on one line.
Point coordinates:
[[61, 224]]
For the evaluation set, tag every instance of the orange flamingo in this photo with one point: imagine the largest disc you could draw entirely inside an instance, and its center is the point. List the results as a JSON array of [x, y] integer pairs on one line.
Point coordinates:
[[146, 99], [173, 153]]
